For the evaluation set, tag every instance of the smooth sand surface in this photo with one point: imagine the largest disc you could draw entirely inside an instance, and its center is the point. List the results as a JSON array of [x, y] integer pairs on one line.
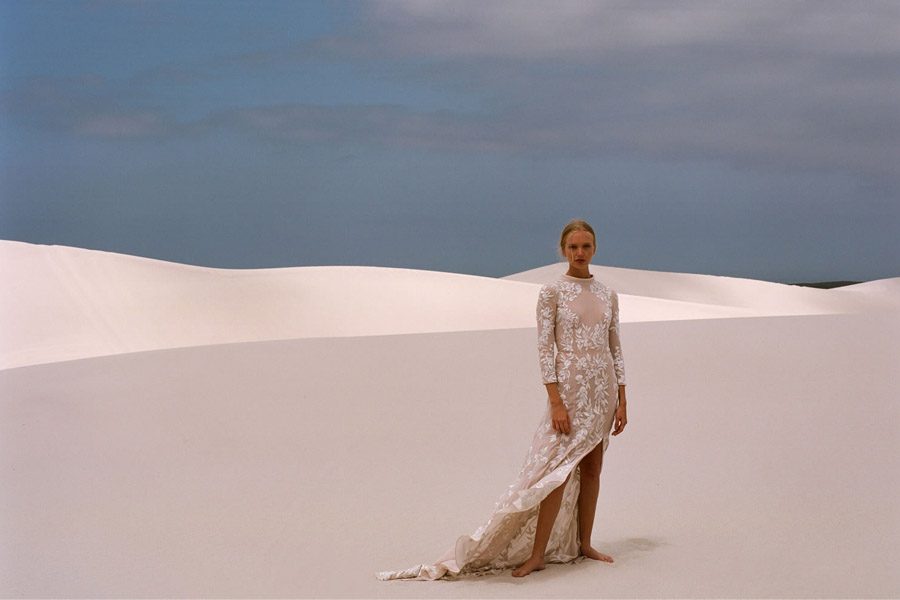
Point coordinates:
[[760, 460], [761, 298], [63, 303], [67, 303]]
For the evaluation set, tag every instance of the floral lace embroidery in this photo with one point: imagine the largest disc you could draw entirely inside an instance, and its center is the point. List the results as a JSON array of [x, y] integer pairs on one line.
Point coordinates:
[[559, 324]]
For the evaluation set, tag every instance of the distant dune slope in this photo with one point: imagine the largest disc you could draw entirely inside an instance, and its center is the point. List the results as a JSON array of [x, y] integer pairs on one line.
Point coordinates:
[[759, 297], [64, 303], [61, 303], [888, 288]]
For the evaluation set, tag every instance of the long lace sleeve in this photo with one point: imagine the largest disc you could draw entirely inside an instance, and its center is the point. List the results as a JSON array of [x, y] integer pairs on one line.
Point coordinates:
[[546, 329], [615, 345]]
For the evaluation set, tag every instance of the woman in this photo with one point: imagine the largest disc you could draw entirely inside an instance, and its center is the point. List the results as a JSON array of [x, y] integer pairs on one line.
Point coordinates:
[[585, 381]]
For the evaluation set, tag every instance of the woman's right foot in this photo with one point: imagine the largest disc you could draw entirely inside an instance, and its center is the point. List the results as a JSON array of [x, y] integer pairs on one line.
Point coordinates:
[[596, 555], [532, 564]]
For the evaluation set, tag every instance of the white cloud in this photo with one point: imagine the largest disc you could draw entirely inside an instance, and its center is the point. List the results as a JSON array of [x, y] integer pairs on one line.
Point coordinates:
[[122, 125], [568, 28], [791, 84], [772, 85]]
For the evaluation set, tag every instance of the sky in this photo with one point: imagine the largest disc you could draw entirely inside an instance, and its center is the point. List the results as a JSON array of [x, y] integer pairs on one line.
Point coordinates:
[[749, 139]]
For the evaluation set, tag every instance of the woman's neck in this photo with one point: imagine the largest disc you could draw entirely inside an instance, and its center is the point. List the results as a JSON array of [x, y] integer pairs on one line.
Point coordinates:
[[580, 273]]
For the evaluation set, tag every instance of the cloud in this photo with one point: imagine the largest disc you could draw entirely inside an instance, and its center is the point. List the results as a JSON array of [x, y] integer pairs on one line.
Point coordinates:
[[87, 105], [133, 125], [796, 85], [762, 85], [533, 29], [378, 125]]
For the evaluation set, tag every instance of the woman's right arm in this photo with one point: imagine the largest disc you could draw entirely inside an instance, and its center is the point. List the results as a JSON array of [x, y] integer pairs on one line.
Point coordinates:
[[546, 326], [546, 330], [559, 416]]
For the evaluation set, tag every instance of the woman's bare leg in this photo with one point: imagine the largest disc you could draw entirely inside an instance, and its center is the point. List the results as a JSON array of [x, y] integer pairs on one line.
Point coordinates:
[[590, 467], [546, 517]]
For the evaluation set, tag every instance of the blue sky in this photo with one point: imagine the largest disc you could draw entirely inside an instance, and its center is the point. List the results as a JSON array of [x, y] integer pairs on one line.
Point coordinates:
[[753, 139]]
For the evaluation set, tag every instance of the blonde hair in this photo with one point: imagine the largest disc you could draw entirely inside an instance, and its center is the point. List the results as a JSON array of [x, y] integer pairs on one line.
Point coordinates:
[[575, 225]]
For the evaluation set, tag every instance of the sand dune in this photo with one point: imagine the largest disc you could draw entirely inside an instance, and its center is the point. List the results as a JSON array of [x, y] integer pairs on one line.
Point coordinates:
[[888, 289], [65, 303], [69, 303], [760, 459], [756, 297]]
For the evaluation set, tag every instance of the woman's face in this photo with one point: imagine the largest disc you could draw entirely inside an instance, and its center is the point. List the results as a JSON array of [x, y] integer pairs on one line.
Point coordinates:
[[579, 249]]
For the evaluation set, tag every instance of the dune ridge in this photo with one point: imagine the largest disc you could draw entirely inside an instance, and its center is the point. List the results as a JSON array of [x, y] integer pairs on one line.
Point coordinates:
[[66, 303], [757, 297]]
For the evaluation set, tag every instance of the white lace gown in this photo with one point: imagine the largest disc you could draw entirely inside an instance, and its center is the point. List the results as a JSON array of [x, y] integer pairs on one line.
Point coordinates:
[[579, 348]]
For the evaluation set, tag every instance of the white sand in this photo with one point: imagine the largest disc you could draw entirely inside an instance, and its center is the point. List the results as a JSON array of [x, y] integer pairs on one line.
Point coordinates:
[[761, 298], [761, 456], [68, 303], [64, 303]]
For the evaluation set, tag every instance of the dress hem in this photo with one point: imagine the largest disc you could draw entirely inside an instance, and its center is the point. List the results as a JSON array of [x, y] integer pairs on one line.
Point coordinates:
[[447, 567]]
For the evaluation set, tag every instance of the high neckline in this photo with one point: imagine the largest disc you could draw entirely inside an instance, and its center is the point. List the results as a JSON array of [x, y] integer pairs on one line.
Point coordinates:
[[582, 279]]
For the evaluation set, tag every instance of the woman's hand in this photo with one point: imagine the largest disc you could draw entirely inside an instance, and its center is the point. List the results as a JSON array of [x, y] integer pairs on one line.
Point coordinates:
[[621, 419], [559, 416]]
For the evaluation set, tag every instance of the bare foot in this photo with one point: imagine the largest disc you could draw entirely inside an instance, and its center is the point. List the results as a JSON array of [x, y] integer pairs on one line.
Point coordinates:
[[532, 564], [591, 553]]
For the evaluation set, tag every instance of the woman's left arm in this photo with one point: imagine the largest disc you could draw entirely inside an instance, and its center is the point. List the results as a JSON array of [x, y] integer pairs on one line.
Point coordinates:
[[615, 346]]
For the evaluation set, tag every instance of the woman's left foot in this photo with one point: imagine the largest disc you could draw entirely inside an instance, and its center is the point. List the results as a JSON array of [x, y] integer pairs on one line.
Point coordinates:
[[591, 553]]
